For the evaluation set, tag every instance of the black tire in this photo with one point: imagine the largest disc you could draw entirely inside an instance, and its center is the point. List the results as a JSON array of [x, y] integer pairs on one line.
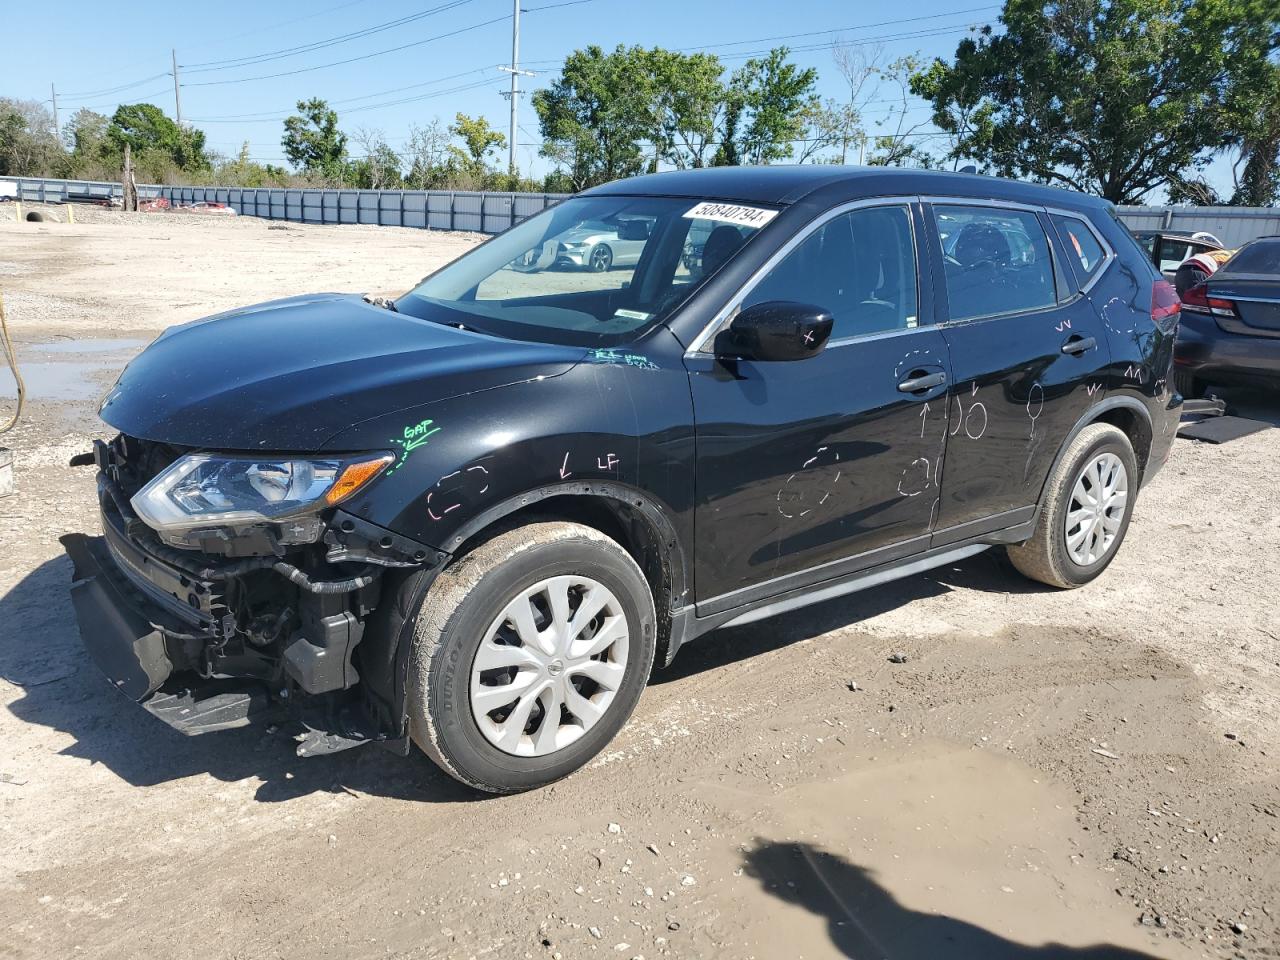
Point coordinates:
[[1187, 385], [600, 259], [451, 623], [35, 216], [1045, 557]]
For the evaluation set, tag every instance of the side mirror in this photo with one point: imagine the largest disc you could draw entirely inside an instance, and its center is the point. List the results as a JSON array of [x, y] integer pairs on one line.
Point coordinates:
[[779, 330], [633, 230]]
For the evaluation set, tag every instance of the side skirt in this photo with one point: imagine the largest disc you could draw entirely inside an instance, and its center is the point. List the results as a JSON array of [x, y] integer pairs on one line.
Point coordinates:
[[799, 597]]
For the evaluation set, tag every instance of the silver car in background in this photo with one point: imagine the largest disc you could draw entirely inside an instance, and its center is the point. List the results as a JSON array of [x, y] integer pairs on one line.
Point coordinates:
[[600, 246]]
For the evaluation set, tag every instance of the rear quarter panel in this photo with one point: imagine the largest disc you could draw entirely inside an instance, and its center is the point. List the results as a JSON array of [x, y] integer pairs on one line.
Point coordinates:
[[1141, 350]]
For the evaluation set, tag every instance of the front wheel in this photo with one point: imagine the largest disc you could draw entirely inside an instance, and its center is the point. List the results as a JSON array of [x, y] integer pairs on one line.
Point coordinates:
[[600, 259], [529, 655], [1088, 503]]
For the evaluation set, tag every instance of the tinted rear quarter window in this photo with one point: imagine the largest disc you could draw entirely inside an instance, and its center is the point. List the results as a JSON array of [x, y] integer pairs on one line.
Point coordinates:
[[996, 261], [1082, 246]]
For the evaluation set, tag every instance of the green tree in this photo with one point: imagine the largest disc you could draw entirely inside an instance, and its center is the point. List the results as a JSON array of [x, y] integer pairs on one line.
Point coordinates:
[[683, 100], [594, 117], [246, 172], [155, 139], [1256, 109], [1113, 97], [28, 145], [765, 108], [469, 162], [313, 143]]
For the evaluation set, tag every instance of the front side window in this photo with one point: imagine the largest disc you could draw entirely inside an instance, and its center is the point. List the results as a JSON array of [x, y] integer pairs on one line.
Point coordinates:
[[1081, 244], [860, 266], [592, 271], [996, 261]]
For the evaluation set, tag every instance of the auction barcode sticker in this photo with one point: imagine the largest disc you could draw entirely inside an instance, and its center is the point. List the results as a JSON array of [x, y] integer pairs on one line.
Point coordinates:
[[732, 213]]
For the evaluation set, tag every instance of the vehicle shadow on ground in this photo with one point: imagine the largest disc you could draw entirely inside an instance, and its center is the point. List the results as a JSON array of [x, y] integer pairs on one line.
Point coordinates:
[[41, 652], [987, 572], [866, 920]]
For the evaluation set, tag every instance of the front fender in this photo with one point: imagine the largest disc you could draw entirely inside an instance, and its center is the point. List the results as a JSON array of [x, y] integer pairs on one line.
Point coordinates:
[[463, 460]]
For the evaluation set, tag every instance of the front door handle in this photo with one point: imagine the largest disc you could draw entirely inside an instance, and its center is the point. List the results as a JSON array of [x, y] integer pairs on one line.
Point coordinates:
[[1077, 345], [924, 381]]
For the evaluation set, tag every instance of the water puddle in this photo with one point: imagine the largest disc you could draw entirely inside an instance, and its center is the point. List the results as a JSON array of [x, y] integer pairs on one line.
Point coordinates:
[[89, 367], [130, 346]]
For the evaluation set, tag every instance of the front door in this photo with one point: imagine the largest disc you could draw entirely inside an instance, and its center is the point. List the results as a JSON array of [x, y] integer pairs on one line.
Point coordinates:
[[812, 468], [1029, 355]]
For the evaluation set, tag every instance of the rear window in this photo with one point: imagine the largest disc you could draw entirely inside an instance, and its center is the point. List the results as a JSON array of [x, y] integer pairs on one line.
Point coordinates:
[[1262, 256], [1082, 246], [996, 261]]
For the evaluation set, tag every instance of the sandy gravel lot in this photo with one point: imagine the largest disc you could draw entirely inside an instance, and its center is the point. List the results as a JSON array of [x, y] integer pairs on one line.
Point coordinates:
[[956, 805]]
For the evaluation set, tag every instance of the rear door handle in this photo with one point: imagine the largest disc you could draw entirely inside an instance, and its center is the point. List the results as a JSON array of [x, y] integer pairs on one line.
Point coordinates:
[[924, 382], [1077, 345]]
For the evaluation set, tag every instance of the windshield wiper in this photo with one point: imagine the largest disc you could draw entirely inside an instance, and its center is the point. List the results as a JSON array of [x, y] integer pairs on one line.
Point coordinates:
[[385, 302]]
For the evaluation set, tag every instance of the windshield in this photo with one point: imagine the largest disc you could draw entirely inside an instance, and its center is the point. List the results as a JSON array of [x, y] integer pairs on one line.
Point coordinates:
[[592, 271]]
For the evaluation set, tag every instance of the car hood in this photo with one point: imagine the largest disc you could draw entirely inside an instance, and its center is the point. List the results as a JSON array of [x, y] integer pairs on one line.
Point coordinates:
[[587, 236], [290, 374]]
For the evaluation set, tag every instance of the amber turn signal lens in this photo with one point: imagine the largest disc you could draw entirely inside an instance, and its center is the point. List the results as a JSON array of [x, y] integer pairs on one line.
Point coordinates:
[[355, 476]]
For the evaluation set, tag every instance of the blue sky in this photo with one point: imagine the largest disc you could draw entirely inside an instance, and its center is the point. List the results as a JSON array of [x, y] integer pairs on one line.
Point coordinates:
[[89, 58]]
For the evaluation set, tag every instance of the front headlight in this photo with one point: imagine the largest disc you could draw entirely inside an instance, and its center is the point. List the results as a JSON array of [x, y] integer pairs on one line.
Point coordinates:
[[202, 490]]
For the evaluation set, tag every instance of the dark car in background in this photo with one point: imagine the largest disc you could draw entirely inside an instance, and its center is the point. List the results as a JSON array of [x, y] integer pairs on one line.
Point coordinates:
[[1230, 331], [475, 519]]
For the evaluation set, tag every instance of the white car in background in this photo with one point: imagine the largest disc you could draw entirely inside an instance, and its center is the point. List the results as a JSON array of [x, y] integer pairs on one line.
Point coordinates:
[[601, 246]]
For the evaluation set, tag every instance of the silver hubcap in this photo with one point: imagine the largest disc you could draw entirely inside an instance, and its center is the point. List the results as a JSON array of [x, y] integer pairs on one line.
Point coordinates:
[[549, 666], [1097, 509]]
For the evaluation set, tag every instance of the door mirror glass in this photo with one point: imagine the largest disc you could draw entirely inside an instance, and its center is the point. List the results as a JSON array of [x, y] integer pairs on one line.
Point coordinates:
[[778, 330]]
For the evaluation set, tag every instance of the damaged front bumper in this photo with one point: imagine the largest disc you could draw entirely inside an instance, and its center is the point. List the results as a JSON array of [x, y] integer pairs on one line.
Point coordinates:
[[178, 635], [139, 643]]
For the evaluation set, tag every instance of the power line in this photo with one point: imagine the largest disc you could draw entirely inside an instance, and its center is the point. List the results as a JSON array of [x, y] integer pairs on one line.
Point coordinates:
[[284, 23], [371, 106], [251, 59], [860, 26], [122, 87], [366, 56], [274, 114]]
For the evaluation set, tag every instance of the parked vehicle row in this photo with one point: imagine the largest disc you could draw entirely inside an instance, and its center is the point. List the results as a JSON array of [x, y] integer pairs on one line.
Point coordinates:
[[466, 520], [1230, 331]]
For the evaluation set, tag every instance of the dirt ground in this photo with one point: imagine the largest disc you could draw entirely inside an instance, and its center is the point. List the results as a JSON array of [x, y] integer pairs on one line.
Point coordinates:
[[1048, 775]]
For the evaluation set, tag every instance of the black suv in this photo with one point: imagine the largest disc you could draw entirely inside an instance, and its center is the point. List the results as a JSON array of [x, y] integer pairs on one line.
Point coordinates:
[[474, 518]]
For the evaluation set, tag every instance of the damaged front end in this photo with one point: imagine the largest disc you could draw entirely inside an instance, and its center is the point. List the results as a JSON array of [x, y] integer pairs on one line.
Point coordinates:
[[228, 589]]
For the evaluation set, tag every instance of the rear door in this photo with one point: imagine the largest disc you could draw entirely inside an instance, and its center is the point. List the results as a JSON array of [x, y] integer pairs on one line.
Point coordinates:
[[1028, 352], [813, 468]]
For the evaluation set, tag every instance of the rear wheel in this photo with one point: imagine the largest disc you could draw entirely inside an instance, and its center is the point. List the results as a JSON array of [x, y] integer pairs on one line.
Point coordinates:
[[1187, 385], [529, 655], [1088, 502]]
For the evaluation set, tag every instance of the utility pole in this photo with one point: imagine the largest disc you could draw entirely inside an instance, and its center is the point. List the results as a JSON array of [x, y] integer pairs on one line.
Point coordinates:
[[177, 97], [516, 74], [57, 130]]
